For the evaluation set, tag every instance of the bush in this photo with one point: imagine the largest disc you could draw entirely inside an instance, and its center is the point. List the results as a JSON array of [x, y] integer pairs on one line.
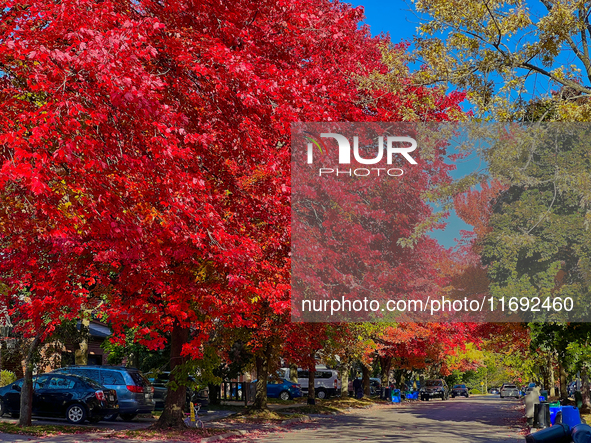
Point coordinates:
[[475, 391], [7, 377]]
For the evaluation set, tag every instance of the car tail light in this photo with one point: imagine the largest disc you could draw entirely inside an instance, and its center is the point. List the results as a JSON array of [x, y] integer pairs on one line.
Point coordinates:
[[100, 395], [295, 386], [335, 383], [152, 389], [136, 389]]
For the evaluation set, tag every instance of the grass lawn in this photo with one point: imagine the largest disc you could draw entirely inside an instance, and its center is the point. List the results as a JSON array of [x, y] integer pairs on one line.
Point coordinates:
[[250, 416], [46, 430], [299, 407]]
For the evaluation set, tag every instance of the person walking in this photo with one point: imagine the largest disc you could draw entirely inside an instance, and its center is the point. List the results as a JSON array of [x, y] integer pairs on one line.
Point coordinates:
[[358, 387]]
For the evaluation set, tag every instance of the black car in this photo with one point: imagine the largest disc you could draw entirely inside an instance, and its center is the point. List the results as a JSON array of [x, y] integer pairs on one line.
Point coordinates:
[[434, 389], [160, 382], [459, 391], [55, 395]]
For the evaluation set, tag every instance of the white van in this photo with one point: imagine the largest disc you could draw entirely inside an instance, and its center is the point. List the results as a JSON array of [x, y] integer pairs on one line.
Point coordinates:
[[326, 381]]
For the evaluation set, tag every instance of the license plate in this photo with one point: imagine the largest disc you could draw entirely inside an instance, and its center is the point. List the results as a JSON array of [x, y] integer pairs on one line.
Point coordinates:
[[111, 398], [147, 396]]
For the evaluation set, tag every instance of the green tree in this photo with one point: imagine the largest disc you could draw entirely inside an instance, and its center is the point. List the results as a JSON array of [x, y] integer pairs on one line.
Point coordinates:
[[509, 55]]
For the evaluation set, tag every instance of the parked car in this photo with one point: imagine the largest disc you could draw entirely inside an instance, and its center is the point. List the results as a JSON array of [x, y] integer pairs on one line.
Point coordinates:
[[460, 391], [160, 382], [509, 390], [326, 381], [283, 389], [375, 386], [434, 388], [55, 395], [134, 391], [571, 388], [493, 391]]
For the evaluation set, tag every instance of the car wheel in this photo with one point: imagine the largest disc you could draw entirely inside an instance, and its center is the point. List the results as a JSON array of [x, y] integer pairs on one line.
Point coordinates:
[[76, 414], [453, 396], [111, 417], [2, 408], [321, 394], [501, 396], [285, 395], [128, 417]]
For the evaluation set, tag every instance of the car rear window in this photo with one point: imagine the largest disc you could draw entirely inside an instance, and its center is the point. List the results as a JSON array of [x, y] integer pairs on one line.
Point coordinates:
[[139, 379], [323, 374], [433, 383], [510, 387], [459, 386], [112, 378]]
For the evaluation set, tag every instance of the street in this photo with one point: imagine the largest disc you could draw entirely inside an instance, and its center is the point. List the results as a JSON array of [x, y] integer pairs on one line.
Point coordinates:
[[475, 420]]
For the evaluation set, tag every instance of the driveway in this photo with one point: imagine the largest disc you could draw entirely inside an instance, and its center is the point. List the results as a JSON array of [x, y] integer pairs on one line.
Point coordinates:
[[473, 420]]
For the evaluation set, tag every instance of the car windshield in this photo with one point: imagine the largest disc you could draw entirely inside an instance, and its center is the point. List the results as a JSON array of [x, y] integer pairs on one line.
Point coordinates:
[[459, 386], [433, 383]]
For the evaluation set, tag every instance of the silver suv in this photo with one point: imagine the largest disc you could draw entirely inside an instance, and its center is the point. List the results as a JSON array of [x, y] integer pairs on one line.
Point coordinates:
[[509, 390], [134, 391]]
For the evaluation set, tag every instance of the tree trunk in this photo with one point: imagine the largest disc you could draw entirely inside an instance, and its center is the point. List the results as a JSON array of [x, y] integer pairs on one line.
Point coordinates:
[[345, 369], [26, 406], [398, 374], [81, 355], [260, 398], [552, 390], [546, 376], [585, 388], [562, 372], [312, 381], [385, 365], [173, 415], [293, 373], [365, 380]]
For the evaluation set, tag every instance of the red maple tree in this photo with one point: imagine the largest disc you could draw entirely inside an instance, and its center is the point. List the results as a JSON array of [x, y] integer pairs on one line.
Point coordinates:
[[144, 160]]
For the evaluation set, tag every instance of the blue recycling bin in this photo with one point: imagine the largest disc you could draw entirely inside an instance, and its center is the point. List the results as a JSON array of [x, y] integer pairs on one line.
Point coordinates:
[[581, 433], [555, 434], [553, 411], [396, 396], [570, 416]]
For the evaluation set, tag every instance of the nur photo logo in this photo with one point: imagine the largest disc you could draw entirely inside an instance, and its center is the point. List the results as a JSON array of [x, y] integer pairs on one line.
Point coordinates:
[[391, 145]]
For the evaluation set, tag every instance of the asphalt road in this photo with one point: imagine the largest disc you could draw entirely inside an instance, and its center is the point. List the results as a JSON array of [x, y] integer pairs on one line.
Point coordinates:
[[473, 420]]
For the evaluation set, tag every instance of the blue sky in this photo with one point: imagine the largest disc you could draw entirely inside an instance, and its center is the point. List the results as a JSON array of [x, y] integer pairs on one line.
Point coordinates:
[[389, 16], [398, 19]]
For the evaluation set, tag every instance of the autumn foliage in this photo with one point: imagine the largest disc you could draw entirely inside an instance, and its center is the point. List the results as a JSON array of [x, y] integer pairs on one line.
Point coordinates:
[[144, 155]]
